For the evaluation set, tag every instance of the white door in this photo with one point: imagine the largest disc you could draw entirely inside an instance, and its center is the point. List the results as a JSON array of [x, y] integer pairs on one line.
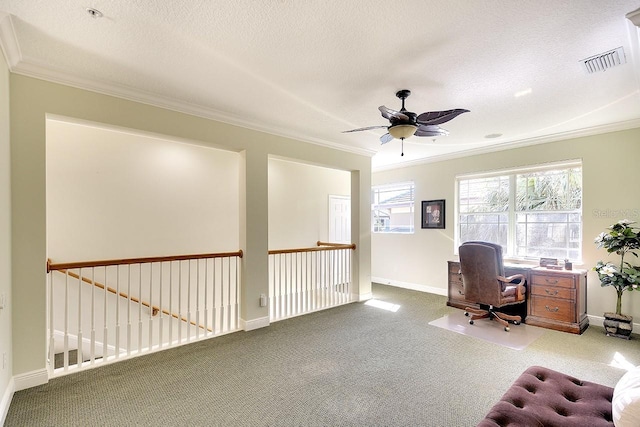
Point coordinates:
[[339, 219]]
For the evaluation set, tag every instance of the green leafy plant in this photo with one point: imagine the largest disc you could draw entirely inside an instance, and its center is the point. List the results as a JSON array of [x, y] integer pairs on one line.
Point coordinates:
[[621, 238]]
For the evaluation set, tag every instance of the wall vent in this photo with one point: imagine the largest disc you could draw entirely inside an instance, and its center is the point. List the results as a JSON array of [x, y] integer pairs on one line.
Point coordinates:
[[604, 61]]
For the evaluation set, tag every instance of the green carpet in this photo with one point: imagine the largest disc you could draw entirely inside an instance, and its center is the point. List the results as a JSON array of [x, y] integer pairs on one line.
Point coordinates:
[[354, 365]]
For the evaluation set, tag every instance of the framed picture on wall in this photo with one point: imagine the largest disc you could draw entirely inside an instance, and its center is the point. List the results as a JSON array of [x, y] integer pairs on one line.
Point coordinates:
[[433, 214]]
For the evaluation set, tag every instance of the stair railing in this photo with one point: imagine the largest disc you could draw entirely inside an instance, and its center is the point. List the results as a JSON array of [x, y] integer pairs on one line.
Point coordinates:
[[309, 279], [172, 300]]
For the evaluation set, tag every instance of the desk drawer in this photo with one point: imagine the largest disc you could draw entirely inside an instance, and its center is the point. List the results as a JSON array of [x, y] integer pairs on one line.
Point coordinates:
[[454, 268], [551, 280], [553, 308], [552, 291], [456, 279], [456, 290]]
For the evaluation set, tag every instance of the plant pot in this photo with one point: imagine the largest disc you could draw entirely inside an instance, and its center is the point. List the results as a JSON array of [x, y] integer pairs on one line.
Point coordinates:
[[618, 325]]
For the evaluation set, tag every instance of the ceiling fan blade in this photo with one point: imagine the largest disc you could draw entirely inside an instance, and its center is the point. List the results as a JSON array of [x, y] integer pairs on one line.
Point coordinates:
[[367, 128], [386, 138], [439, 117], [431, 130], [392, 115]]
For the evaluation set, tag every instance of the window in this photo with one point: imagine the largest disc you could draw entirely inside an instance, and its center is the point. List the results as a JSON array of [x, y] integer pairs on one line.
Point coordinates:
[[532, 213], [392, 208]]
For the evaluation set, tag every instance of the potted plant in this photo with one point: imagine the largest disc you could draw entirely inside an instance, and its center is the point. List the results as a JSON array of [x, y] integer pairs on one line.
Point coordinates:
[[621, 238]]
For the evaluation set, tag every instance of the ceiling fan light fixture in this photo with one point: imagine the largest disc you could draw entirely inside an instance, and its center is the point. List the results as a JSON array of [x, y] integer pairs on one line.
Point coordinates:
[[402, 131]]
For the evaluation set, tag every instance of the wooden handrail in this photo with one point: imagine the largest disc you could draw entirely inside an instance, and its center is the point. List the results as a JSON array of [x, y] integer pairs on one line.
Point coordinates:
[[340, 245], [103, 263], [324, 247], [154, 309]]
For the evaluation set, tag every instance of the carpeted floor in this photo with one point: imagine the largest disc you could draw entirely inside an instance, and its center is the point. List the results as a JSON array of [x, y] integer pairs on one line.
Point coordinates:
[[355, 365]]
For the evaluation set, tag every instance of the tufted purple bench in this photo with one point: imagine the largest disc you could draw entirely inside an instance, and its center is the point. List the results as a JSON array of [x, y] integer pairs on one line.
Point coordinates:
[[543, 397]]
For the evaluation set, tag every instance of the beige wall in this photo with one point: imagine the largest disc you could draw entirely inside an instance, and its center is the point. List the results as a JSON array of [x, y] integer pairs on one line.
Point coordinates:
[[299, 202], [114, 194], [33, 99], [610, 185], [5, 240]]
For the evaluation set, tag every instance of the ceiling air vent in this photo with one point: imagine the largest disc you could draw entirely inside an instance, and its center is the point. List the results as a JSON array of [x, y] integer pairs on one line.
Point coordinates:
[[604, 61]]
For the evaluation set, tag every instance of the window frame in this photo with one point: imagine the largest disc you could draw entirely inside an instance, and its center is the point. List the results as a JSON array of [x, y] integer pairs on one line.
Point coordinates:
[[512, 213], [412, 203]]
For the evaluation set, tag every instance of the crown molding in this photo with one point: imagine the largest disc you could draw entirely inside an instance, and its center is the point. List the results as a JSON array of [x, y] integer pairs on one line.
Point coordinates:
[[31, 68], [8, 41], [545, 139], [634, 17]]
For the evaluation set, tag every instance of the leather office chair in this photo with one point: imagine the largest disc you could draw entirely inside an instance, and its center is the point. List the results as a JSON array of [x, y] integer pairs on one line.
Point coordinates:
[[484, 283]]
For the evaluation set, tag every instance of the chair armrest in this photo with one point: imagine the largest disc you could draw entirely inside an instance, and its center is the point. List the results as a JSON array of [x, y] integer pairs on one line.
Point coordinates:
[[520, 289], [512, 278]]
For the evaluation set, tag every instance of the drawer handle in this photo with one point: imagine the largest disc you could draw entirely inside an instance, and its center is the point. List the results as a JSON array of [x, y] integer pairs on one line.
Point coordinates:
[[554, 293], [551, 281], [552, 310], [460, 292]]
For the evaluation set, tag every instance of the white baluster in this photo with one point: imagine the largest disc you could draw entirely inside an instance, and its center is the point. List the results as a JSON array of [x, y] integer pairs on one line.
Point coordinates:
[[117, 312], [139, 309], [188, 300], [128, 309], [214, 308], [180, 302], [160, 313], [237, 297], [150, 307], [206, 296], [92, 348], [52, 343], [66, 321], [198, 298], [105, 325], [79, 340], [228, 294]]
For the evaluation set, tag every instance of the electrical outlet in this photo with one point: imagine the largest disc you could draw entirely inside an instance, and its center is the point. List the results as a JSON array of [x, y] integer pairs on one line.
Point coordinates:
[[263, 300], [2, 300]]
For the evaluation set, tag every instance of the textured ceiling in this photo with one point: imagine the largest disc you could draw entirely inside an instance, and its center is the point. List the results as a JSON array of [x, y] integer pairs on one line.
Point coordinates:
[[310, 69]]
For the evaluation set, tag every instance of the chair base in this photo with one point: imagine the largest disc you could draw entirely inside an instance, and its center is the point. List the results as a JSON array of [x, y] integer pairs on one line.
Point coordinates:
[[490, 313]]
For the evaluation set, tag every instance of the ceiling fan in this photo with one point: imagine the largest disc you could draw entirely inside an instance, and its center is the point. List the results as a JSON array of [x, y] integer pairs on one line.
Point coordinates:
[[405, 123]]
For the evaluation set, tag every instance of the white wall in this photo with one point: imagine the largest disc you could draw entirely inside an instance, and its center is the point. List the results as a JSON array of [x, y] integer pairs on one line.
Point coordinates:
[[611, 191], [114, 194], [299, 202], [6, 388]]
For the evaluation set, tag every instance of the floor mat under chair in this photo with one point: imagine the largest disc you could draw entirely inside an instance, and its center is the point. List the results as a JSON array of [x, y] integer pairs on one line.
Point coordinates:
[[518, 338]]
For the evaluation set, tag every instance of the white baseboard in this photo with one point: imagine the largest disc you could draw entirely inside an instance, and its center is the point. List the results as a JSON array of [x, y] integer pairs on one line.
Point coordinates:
[[411, 286], [361, 297], [6, 401], [250, 325], [31, 379]]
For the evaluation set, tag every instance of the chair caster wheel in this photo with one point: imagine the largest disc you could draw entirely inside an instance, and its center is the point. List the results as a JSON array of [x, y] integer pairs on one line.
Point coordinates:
[[466, 313], [471, 322], [506, 329]]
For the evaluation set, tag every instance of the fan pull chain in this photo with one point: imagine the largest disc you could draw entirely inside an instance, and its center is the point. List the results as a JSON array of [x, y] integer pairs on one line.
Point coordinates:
[[402, 145]]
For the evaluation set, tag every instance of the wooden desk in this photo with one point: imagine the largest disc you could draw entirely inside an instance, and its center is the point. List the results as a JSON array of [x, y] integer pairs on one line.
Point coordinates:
[[556, 299]]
